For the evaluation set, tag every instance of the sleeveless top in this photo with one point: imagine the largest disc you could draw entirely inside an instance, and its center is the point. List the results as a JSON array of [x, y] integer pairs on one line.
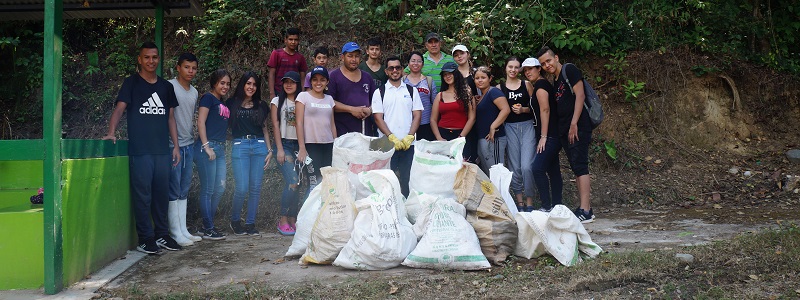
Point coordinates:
[[519, 96], [452, 115]]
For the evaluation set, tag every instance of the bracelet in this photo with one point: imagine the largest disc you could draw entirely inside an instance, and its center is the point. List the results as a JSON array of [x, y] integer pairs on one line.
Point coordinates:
[[543, 137], [204, 145]]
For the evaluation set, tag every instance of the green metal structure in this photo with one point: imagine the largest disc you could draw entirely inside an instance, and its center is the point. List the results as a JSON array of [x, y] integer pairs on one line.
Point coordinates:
[[87, 221]]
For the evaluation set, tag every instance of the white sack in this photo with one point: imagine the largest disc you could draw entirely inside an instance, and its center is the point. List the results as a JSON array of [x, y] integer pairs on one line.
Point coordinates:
[[358, 153], [334, 223], [305, 222], [433, 170], [501, 178], [558, 233], [382, 236]]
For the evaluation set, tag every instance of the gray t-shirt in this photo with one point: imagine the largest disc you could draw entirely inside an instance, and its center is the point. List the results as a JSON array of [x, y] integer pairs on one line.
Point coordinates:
[[184, 113]]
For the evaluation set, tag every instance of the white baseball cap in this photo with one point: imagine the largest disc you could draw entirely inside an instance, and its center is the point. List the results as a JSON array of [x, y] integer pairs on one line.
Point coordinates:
[[459, 47], [531, 62]]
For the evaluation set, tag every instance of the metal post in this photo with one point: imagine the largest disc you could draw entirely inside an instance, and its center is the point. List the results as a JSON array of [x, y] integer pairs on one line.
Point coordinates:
[[53, 250], [160, 36]]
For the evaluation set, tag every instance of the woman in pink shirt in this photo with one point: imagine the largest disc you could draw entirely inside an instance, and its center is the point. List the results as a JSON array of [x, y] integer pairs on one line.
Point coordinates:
[[315, 127]]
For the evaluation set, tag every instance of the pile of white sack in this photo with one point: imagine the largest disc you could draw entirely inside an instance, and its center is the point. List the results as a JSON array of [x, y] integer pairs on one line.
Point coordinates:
[[454, 218]]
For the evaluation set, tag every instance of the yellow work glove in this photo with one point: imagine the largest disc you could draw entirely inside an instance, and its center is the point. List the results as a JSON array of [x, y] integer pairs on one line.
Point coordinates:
[[398, 145], [407, 141]]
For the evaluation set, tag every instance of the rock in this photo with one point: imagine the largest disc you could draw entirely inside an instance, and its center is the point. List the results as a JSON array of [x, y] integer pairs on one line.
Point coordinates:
[[793, 156], [499, 276], [792, 183], [734, 170], [687, 258], [748, 173]]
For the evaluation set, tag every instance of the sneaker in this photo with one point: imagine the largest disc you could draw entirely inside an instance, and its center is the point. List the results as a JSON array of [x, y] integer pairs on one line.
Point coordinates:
[[149, 246], [520, 208], [285, 229], [583, 216], [250, 229], [237, 228], [212, 234], [167, 242]]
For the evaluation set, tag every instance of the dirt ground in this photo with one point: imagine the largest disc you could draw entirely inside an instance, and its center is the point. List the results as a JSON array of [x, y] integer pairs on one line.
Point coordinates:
[[241, 261]]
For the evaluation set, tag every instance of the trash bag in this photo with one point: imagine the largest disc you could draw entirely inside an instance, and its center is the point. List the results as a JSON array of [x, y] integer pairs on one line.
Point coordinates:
[[501, 178], [433, 171], [382, 236], [449, 242], [334, 222], [305, 221], [358, 153], [487, 212], [558, 233]]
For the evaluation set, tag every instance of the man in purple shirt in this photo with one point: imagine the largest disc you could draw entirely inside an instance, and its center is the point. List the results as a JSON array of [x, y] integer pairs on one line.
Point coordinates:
[[351, 88]]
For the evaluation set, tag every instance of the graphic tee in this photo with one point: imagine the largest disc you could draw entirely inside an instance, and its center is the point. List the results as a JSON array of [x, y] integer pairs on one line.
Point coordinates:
[[288, 121], [217, 120], [284, 62], [518, 96], [148, 106], [317, 118], [566, 101], [245, 122], [353, 94]]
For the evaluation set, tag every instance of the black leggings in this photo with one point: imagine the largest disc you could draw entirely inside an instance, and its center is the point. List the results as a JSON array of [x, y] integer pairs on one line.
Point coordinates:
[[321, 156]]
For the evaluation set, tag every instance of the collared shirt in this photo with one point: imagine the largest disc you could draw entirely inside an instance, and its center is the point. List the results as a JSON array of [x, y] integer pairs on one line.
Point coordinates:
[[397, 107]]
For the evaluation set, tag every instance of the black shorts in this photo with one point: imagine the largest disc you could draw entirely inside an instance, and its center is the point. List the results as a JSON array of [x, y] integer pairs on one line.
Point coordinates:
[[578, 152]]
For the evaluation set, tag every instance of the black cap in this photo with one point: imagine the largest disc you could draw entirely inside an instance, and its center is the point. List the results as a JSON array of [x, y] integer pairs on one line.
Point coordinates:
[[449, 67], [432, 35], [292, 75]]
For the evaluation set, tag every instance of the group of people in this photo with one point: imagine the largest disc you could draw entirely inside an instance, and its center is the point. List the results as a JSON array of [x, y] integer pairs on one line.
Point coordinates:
[[431, 96]]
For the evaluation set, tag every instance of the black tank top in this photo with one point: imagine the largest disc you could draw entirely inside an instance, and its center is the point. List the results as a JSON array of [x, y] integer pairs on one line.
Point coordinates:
[[519, 96]]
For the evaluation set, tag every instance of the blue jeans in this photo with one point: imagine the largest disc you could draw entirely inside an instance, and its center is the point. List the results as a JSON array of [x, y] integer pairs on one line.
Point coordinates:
[[180, 176], [547, 173], [212, 175], [247, 158], [290, 196], [401, 165], [521, 138], [149, 179]]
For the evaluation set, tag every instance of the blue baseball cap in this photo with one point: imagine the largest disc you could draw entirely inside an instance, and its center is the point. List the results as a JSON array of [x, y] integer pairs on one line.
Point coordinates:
[[291, 75], [350, 47], [321, 71]]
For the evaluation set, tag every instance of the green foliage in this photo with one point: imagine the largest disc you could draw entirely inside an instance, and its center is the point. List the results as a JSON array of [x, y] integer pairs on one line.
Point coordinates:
[[611, 149], [632, 90]]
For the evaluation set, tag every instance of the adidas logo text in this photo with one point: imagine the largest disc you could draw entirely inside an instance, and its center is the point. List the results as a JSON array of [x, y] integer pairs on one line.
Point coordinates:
[[153, 106]]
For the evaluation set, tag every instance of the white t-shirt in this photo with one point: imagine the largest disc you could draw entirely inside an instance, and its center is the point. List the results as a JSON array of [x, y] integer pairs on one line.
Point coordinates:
[[317, 118], [288, 119], [396, 107]]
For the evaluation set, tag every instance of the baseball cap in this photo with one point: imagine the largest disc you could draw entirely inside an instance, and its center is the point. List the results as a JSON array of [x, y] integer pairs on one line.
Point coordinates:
[[432, 35], [531, 62], [459, 47], [292, 75], [449, 67], [321, 71], [350, 47]]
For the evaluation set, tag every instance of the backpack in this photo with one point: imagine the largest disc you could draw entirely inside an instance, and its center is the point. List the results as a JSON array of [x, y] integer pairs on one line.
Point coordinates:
[[410, 88], [592, 101]]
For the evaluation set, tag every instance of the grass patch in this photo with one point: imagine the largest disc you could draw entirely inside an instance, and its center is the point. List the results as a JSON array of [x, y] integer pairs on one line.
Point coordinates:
[[751, 266]]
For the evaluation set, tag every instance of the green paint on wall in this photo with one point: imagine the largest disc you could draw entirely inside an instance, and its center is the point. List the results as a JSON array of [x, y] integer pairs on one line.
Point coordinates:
[[21, 247], [21, 174], [98, 223]]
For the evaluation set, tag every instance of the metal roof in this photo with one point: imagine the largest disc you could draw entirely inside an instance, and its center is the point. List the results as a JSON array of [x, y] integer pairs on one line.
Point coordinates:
[[86, 9]]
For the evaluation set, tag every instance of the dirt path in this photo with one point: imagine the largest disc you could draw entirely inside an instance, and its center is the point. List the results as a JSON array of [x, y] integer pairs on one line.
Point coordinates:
[[242, 260]]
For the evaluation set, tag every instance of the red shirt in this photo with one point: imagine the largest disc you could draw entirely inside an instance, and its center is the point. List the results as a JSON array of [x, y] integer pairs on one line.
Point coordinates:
[[283, 62], [452, 115]]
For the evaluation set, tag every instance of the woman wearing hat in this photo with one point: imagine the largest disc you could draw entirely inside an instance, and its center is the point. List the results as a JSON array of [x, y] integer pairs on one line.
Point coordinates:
[[316, 129], [251, 150], [520, 134], [453, 112], [461, 56], [284, 129], [546, 169]]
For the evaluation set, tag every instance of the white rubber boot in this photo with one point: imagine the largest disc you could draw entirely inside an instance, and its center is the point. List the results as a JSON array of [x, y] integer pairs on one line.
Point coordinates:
[[174, 225], [182, 214]]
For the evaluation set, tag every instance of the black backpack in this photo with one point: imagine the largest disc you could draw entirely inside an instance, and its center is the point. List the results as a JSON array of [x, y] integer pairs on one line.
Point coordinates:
[[410, 88], [592, 101]]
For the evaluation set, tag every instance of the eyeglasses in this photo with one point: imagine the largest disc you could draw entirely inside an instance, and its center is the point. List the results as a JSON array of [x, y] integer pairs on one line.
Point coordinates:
[[394, 68]]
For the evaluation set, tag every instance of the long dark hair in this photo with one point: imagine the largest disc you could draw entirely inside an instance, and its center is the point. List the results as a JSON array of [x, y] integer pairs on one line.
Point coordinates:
[[463, 93], [235, 102], [282, 96]]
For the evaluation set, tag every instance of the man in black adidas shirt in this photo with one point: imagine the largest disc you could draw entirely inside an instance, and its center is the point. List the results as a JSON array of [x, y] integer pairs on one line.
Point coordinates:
[[148, 100], [574, 125]]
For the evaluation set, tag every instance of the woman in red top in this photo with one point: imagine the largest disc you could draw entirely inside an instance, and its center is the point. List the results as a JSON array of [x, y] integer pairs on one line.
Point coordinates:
[[453, 111]]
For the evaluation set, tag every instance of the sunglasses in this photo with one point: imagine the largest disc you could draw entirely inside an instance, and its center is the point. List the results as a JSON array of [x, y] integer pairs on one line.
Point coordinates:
[[394, 68]]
